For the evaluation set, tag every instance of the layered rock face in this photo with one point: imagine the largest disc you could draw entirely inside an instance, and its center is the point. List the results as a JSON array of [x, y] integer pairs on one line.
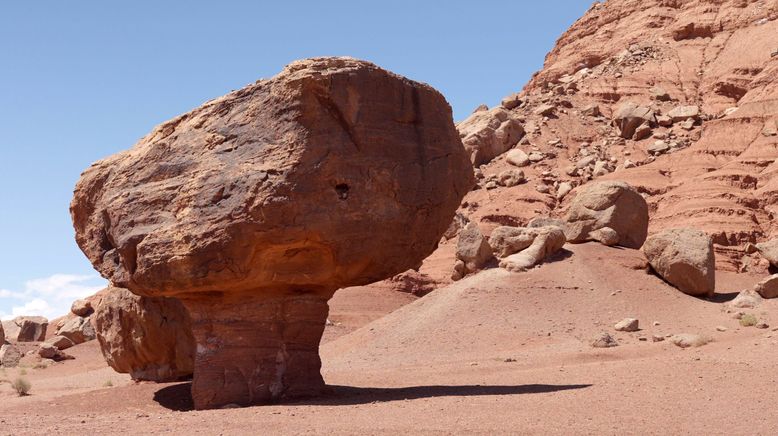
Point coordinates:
[[676, 98], [254, 208], [149, 338]]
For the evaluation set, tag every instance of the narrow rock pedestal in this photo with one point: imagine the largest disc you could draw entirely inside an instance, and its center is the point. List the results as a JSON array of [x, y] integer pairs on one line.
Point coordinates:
[[256, 348]]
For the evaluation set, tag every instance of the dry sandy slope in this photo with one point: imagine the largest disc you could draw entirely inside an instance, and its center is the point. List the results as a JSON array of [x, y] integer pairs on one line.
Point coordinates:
[[438, 365]]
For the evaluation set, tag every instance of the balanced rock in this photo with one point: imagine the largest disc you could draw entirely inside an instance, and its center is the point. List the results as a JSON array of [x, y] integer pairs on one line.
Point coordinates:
[[488, 134], [611, 204], [256, 207], [548, 241], [146, 337], [684, 258]]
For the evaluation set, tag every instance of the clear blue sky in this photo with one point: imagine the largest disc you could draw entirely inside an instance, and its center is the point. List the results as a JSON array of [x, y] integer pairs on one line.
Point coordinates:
[[80, 80]]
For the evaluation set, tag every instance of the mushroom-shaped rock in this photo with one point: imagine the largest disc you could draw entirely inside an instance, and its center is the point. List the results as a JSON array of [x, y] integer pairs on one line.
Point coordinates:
[[685, 259], [256, 207], [149, 338], [612, 204]]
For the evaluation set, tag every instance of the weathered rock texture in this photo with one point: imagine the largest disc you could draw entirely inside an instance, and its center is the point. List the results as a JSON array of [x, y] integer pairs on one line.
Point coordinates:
[[717, 172], [684, 258], [547, 241], [613, 205], [254, 208], [26, 329], [149, 338]]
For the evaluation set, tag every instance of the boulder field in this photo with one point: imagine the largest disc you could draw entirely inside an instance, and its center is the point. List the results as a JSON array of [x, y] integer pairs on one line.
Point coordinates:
[[255, 208]]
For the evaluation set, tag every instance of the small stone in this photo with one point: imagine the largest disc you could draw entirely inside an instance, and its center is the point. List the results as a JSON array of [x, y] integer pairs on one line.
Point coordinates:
[[604, 340], [517, 158], [762, 325], [656, 323], [657, 338], [536, 156], [545, 110], [721, 328], [627, 325], [687, 340]]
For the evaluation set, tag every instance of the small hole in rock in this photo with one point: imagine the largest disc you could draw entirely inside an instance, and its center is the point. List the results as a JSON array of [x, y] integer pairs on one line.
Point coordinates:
[[342, 190]]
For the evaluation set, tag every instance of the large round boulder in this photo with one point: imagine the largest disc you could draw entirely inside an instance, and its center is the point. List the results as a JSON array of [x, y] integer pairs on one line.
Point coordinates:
[[685, 259], [146, 337], [612, 204], [256, 207]]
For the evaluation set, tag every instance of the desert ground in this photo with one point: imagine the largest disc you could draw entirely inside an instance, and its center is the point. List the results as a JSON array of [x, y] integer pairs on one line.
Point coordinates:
[[496, 353]]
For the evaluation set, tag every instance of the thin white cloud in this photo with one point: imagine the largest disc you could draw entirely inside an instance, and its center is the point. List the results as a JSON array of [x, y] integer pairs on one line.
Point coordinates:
[[48, 296]]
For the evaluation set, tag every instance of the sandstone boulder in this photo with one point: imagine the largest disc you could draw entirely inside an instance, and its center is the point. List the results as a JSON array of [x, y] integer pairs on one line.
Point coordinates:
[[509, 178], [548, 241], [78, 329], [769, 250], [488, 134], [149, 338], [768, 287], [683, 113], [506, 240], [256, 207], [457, 224], [627, 325], [518, 158], [10, 355], [684, 258], [629, 116], [611, 204], [60, 342], [26, 329], [81, 308], [473, 249], [48, 351]]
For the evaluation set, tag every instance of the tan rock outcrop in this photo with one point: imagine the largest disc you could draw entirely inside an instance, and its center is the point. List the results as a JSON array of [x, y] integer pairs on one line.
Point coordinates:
[[768, 287], [149, 338], [685, 259], [488, 134], [10, 355], [26, 329], [473, 251], [256, 207], [548, 241], [611, 204], [769, 250]]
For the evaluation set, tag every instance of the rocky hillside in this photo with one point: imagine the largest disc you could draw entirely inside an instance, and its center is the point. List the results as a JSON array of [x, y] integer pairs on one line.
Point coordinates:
[[677, 98]]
